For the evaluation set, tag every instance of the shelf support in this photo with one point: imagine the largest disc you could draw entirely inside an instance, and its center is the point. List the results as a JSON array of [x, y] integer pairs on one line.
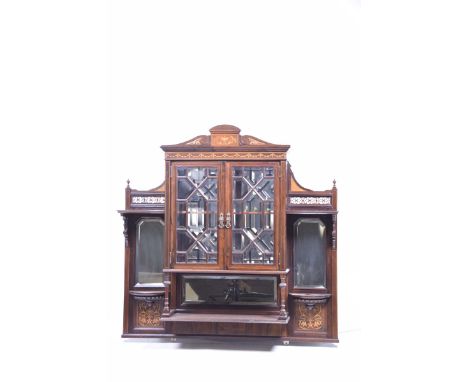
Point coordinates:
[[167, 286], [125, 231], [334, 232], [283, 288]]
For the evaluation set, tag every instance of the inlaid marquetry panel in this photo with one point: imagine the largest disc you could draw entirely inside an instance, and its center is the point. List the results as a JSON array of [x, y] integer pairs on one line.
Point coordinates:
[[148, 312], [310, 317], [225, 140]]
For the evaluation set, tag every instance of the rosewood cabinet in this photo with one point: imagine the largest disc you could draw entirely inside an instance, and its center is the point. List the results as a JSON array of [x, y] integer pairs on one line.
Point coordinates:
[[230, 245]]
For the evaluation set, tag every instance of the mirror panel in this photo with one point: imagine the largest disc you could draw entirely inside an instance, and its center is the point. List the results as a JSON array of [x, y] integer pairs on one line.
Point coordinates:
[[149, 251], [229, 290], [310, 253]]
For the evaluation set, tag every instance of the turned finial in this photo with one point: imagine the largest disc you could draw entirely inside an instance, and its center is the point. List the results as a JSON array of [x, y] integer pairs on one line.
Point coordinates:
[[128, 183], [334, 183]]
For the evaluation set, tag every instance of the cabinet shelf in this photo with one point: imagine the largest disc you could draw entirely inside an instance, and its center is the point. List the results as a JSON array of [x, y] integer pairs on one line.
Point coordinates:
[[226, 318], [225, 271], [141, 211]]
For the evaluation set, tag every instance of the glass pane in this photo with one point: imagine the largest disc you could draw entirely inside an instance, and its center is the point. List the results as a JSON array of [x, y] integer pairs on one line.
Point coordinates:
[[196, 215], [184, 240], [184, 188], [196, 174], [239, 240], [209, 189], [229, 290], [309, 253], [210, 241], [149, 251], [253, 196]]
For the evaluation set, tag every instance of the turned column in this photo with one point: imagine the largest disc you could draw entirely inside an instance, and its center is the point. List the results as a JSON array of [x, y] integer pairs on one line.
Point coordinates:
[[167, 287], [284, 297]]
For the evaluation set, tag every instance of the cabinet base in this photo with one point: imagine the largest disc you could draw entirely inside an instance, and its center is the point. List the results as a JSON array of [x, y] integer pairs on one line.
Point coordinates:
[[271, 340]]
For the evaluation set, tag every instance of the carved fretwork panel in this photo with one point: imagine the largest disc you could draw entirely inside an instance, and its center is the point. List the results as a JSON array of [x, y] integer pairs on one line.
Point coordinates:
[[148, 312], [310, 317]]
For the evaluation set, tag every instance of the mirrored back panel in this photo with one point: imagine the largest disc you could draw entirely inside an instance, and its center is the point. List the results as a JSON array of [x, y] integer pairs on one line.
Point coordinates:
[[310, 253], [149, 251], [229, 290]]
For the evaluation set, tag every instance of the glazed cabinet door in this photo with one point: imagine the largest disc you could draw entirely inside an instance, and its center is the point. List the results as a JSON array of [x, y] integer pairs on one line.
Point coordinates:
[[252, 202], [196, 214]]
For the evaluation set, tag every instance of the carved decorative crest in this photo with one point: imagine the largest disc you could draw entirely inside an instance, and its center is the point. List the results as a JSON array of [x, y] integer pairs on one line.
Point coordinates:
[[223, 138]]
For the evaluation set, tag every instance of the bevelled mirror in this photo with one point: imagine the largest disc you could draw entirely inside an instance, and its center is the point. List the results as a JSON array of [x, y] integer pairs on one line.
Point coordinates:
[[310, 250], [229, 290], [149, 252]]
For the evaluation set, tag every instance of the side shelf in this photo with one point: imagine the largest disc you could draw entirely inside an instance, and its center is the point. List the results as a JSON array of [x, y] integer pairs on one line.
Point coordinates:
[[226, 318]]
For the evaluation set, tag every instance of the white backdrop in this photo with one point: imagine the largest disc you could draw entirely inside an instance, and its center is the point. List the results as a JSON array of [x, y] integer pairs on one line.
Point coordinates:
[[287, 74], [374, 97]]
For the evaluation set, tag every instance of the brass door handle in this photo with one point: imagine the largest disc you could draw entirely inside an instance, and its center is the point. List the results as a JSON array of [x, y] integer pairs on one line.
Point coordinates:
[[221, 221], [228, 220]]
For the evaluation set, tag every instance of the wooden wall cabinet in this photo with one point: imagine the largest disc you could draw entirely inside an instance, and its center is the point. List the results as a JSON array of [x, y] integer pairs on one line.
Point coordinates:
[[230, 245]]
